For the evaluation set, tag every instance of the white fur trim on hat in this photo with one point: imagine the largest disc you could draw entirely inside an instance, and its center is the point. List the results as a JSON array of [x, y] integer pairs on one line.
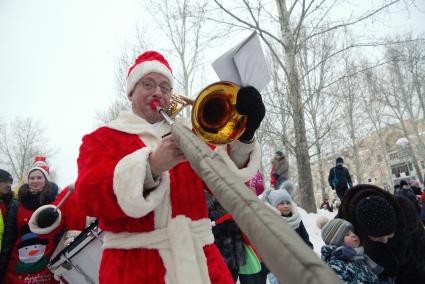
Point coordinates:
[[144, 68], [32, 224], [129, 177], [45, 173]]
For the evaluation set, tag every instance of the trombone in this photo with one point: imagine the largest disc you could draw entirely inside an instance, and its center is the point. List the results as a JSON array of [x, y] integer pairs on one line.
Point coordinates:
[[214, 116]]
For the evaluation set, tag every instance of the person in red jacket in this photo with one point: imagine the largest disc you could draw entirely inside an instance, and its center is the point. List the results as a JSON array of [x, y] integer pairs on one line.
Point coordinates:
[[26, 254], [149, 202]]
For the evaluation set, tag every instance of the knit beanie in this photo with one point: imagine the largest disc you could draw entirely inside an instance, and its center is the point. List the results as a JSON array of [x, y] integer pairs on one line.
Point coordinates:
[[148, 62], [334, 232], [41, 165], [280, 154], [414, 183], [376, 216], [339, 160], [403, 182], [5, 176], [278, 196]]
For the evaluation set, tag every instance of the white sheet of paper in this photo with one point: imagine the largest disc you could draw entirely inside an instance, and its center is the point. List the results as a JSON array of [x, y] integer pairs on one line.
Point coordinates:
[[244, 64]]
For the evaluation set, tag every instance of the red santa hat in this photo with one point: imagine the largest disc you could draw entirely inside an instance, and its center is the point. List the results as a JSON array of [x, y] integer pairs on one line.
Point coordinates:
[[147, 62], [41, 165]]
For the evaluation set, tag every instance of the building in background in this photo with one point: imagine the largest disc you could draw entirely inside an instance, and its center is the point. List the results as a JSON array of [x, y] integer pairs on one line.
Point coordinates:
[[384, 160]]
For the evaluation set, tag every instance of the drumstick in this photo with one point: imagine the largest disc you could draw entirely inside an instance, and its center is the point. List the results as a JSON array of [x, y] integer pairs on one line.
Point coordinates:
[[48, 216], [70, 190]]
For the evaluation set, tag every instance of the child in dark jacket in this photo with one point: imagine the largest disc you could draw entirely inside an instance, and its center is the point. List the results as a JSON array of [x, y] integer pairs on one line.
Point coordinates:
[[282, 201], [344, 255]]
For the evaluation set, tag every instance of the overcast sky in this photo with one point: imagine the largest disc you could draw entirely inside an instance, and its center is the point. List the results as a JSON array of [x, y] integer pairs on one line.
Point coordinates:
[[57, 64]]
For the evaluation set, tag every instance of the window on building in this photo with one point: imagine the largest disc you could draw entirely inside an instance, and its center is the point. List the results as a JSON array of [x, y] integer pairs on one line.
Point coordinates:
[[400, 168], [393, 156]]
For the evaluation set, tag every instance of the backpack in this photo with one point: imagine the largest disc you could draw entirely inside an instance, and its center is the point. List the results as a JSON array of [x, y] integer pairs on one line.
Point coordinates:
[[341, 181]]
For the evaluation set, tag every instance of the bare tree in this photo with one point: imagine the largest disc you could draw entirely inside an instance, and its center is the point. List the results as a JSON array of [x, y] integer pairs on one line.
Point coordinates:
[[402, 63], [277, 128], [292, 19], [374, 107], [120, 101], [400, 99], [411, 55], [349, 94], [183, 24], [20, 141], [319, 106]]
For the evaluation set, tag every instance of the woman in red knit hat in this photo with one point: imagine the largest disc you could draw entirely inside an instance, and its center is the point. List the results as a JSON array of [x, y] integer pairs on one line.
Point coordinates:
[[26, 254]]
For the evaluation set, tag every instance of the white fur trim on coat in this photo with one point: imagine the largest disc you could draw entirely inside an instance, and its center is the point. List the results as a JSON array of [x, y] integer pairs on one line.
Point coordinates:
[[129, 177], [145, 68], [180, 246], [251, 168], [32, 224]]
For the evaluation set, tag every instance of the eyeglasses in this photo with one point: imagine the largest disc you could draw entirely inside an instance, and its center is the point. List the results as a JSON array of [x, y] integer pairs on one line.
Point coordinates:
[[150, 86]]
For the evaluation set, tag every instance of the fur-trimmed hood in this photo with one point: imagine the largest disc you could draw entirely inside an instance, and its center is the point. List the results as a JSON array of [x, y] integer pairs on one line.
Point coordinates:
[[404, 254]]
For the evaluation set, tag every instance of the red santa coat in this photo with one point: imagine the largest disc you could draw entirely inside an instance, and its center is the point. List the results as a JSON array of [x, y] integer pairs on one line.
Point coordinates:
[[73, 218], [150, 237]]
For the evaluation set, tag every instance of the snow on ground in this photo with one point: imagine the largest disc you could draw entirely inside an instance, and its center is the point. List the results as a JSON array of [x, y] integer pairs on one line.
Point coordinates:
[[309, 220]]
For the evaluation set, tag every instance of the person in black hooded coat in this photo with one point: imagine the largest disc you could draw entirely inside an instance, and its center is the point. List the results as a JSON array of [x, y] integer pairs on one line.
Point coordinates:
[[227, 236], [375, 213]]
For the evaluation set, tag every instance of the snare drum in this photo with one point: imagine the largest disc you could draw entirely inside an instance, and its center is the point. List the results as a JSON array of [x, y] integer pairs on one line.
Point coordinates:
[[79, 262]]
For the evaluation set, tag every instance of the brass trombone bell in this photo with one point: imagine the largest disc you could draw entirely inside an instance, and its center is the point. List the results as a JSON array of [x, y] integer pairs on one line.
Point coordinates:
[[214, 116]]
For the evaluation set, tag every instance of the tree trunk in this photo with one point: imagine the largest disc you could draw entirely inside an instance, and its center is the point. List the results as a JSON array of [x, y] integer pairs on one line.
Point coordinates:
[[411, 153], [323, 184], [384, 154], [305, 180]]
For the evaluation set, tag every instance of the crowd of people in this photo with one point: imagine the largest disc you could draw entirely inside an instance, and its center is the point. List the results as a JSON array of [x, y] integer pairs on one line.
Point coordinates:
[[161, 224]]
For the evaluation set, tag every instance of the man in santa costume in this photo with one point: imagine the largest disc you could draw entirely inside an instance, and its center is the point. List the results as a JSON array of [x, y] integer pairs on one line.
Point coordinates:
[[149, 202]]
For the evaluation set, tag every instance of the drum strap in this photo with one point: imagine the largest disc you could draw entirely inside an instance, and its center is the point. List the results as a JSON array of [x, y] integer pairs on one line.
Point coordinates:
[[180, 246]]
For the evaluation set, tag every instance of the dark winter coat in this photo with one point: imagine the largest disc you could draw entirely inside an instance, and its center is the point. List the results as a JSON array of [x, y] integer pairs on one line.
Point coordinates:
[[416, 190], [340, 180], [408, 193], [403, 257], [298, 227], [350, 271], [302, 232], [281, 167], [9, 238], [227, 236]]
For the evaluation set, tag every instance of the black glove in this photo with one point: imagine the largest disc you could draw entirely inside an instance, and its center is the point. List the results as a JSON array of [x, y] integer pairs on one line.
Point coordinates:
[[250, 103], [47, 217]]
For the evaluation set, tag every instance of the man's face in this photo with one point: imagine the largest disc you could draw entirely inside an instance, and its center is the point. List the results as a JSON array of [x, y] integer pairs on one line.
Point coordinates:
[[5, 187], [151, 87]]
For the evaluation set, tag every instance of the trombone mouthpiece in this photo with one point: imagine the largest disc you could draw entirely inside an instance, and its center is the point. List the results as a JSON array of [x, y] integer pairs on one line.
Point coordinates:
[[155, 104]]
